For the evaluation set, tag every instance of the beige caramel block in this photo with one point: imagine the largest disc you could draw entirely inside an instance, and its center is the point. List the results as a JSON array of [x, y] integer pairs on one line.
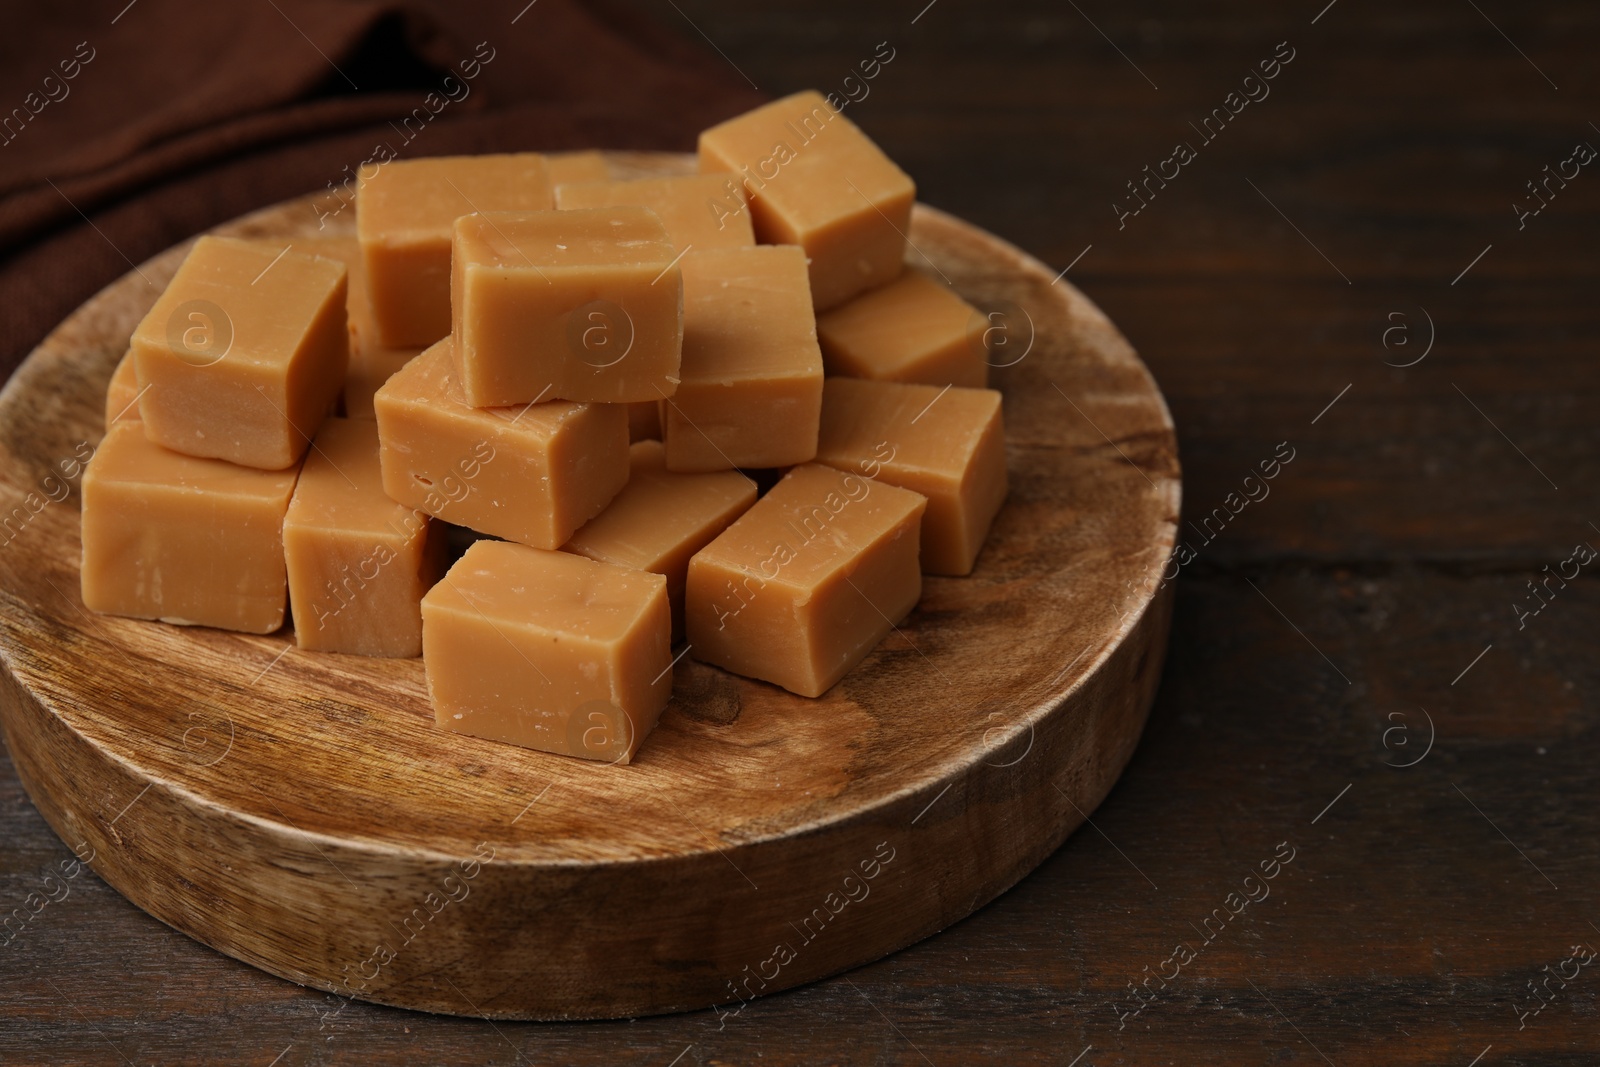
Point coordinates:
[[244, 353], [404, 218], [815, 180], [566, 305], [122, 394], [644, 421], [362, 375], [358, 562], [533, 473], [808, 581], [182, 539], [369, 369], [700, 211], [548, 650], [661, 519], [564, 167], [751, 389], [946, 443], [914, 329]]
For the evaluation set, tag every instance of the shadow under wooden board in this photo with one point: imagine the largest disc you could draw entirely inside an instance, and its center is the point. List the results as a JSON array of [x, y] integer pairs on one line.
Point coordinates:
[[300, 811]]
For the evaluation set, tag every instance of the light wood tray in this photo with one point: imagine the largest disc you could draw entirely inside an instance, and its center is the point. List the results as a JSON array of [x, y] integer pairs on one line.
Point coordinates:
[[299, 811]]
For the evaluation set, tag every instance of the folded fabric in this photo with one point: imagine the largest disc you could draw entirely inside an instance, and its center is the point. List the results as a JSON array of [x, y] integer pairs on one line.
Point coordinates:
[[127, 129]]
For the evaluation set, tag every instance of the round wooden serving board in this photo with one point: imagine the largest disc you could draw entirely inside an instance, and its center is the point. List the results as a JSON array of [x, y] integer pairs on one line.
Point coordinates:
[[299, 811]]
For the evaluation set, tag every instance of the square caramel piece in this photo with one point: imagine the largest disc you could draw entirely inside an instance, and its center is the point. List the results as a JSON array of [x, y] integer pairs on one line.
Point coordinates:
[[404, 218], [345, 249], [533, 473], [186, 540], [808, 581], [661, 519], [701, 212], [751, 389], [548, 650], [359, 563], [244, 353], [946, 443], [914, 329], [566, 305], [815, 180], [585, 166], [122, 394]]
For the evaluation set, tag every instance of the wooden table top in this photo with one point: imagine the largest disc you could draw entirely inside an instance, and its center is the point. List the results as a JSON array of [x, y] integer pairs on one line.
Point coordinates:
[[1360, 828]]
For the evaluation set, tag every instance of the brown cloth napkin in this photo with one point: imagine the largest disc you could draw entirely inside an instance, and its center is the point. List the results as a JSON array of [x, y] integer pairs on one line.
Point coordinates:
[[125, 128]]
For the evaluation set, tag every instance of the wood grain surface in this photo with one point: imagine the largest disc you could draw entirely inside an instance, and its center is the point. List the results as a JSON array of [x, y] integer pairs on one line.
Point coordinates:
[[1417, 908], [301, 811]]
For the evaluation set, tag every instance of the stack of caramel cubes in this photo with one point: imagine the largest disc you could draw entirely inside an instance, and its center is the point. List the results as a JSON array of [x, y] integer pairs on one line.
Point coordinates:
[[585, 381]]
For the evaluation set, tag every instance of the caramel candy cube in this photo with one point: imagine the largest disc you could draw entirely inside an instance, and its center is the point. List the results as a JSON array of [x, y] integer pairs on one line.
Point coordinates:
[[368, 358], [751, 393], [533, 473], [803, 585], [244, 353], [358, 562], [566, 305], [815, 180], [548, 650], [122, 394], [661, 519], [587, 166], [700, 211], [186, 540], [948, 444], [912, 330], [404, 218], [369, 369]]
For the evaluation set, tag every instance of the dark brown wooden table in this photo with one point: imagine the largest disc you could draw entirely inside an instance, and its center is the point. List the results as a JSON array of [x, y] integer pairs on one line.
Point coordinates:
[[1356, 679]]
